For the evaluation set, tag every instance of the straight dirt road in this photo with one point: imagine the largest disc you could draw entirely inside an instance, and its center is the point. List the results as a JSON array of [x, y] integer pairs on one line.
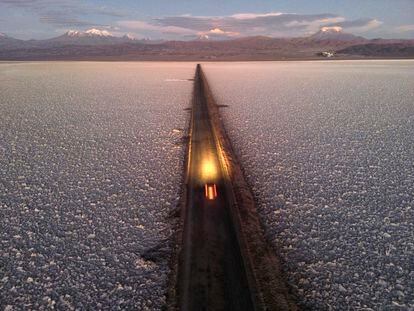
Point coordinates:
[[213, 273]]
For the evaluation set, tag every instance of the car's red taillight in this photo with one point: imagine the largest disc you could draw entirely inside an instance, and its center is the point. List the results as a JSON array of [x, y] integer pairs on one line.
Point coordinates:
[[210, 191]]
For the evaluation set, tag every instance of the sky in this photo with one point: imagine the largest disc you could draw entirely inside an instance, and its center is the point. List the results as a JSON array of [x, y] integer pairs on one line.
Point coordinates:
[[216, 19]]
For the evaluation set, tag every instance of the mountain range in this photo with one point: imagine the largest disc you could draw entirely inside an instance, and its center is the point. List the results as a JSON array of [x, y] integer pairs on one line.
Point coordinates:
[[72, 37], [95, 44]]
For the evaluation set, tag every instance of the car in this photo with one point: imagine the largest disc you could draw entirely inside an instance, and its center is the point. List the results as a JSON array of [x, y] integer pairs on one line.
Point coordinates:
[[210, 191]]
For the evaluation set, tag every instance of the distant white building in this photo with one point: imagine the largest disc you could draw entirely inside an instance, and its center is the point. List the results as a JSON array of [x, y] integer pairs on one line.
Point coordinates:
[[327, 54]]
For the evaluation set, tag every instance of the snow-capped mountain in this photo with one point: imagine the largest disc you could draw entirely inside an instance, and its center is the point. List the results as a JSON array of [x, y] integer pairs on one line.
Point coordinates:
[[128, 36], [334, 34], [91, 37], [89, 33], [203, 37]]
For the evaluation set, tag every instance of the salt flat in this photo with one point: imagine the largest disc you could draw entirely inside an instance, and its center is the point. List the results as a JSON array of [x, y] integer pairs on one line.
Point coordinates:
[[90, 166], [328, 148]]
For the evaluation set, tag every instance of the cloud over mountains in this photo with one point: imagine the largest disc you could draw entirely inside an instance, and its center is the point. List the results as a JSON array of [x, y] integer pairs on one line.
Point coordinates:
[[275, 24]]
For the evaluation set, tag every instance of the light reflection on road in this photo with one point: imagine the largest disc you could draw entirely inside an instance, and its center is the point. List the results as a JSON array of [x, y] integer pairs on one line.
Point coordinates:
[[209, 169]]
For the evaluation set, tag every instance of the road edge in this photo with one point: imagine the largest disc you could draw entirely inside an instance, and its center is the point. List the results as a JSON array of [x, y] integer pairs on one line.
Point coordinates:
[[172, 293]]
